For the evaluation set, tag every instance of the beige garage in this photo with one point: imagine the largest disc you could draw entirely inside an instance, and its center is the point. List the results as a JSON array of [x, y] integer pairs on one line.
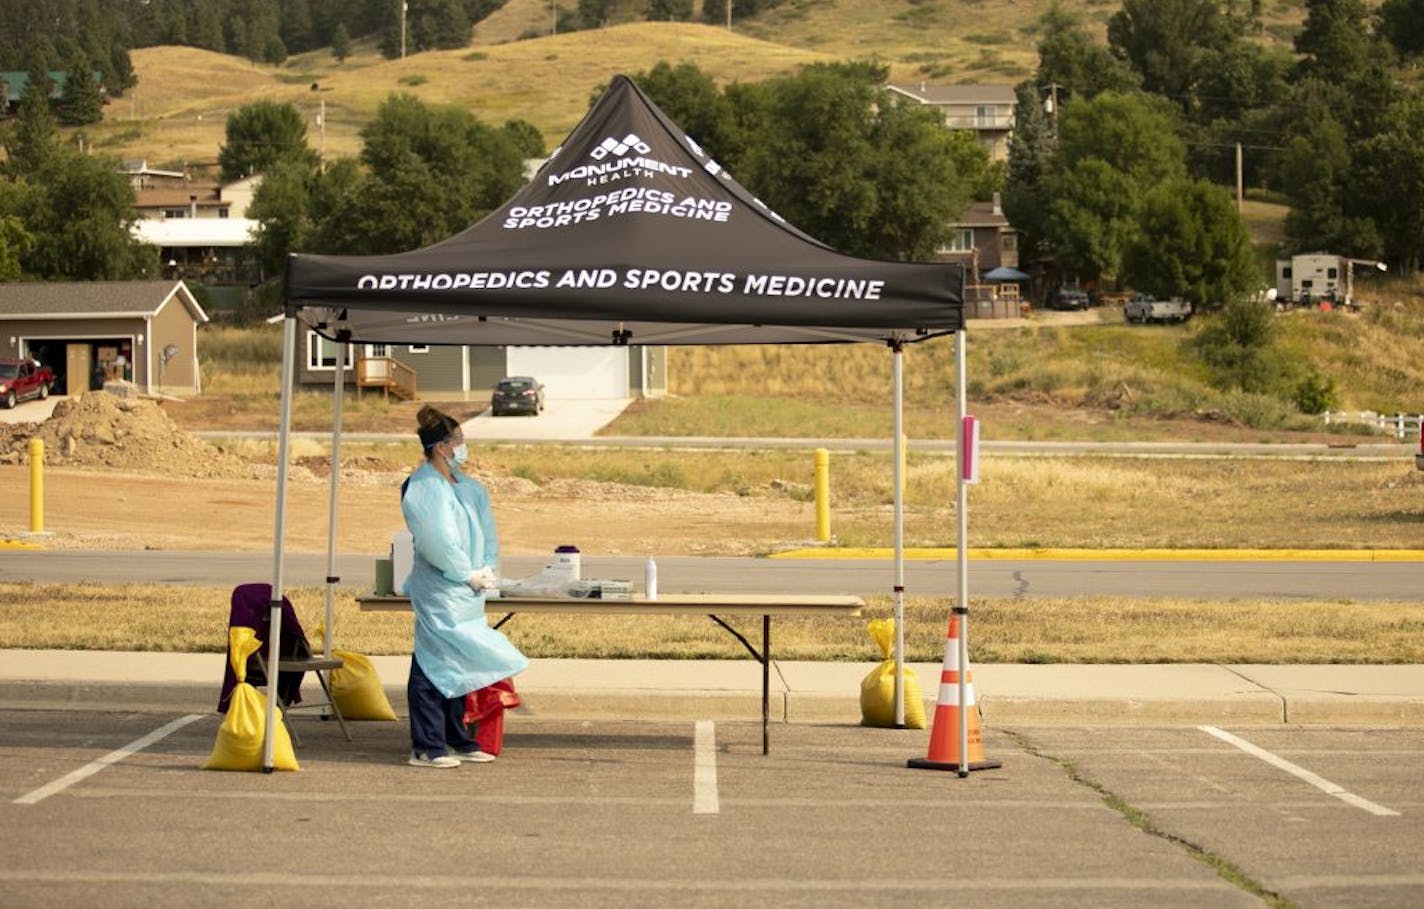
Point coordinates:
[[145, 332]]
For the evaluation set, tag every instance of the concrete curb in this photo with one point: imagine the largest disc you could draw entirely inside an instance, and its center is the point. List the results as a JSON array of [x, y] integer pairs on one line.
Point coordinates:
[[1115, 555], [800, 692]]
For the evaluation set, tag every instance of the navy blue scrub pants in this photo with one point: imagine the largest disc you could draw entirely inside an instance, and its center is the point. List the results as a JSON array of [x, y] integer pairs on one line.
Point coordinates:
[[435, 720]]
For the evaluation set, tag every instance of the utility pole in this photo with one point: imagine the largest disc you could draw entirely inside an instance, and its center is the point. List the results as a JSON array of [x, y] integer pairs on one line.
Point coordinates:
[[553, 17], [1052, 105], [404, 7], [729, 15], [1240, 195]]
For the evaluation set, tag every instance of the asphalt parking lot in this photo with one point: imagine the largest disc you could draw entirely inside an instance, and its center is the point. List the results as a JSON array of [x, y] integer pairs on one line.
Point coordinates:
[[644, 813]]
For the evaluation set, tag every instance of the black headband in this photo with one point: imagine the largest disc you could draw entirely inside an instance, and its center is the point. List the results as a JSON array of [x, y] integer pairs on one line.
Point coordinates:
[[430, 436]]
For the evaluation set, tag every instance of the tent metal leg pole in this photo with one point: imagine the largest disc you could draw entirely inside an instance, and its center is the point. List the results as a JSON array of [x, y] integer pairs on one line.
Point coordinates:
[[961, 607], [331, 578], [899, 477], [284, 427]]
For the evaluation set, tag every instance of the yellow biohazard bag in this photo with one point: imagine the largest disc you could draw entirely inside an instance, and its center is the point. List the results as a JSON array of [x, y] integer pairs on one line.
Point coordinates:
[[239, 742], [877, 690], [357, 689]]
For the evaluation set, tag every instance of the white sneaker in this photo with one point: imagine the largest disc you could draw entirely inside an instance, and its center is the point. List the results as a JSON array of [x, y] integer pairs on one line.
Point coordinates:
[[472, 757], [443, 762]]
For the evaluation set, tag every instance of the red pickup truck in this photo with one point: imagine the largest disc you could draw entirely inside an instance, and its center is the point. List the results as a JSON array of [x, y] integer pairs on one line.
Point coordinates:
[[23, 379]]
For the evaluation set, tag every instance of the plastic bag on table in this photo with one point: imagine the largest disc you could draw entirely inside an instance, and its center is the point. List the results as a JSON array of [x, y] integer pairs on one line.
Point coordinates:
[[877, 690], [240, 737]]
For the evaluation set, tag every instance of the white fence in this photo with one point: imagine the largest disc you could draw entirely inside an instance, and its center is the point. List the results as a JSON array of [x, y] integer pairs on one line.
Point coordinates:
[[1403, 425]]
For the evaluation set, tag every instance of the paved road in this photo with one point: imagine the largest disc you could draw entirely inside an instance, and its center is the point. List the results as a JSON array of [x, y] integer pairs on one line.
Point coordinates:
[[647, 814], [1190, 579]]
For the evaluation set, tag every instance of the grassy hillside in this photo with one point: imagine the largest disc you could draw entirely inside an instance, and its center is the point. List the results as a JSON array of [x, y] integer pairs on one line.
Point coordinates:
[[179, 109]]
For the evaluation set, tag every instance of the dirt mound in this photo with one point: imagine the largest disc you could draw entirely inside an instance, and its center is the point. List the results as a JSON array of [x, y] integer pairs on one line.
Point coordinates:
[[133, 434]]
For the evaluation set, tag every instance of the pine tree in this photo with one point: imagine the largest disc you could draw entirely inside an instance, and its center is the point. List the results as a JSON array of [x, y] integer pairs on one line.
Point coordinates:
[[340, 43], [81, 102], [31, 140]]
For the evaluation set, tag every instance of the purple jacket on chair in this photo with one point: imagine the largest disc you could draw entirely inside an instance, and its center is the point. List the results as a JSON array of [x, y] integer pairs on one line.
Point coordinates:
[[252, 608]]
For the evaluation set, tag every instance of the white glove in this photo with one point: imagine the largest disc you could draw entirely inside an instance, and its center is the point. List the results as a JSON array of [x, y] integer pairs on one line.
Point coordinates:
[[482, 579]]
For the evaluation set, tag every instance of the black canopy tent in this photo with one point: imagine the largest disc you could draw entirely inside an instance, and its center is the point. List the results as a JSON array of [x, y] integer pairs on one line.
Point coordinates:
[[629, 234]]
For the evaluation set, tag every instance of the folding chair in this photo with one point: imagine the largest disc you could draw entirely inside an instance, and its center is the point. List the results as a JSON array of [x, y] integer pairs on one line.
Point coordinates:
[[251, 608]]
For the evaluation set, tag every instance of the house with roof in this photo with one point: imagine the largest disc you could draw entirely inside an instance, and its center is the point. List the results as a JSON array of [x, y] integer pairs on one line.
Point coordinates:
[[469, 373], [145, 332], [983, 240], [987, 110], [201, 228], [14, 82]]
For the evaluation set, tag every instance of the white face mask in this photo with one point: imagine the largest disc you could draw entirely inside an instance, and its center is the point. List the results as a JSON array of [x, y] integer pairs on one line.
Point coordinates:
[[458, 454]]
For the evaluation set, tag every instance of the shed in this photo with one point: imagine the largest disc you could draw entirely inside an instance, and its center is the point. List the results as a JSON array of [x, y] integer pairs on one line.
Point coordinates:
[[145, 332]]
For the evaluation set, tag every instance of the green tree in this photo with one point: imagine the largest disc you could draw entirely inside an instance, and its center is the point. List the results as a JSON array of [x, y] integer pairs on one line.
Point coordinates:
[[525, 137], [1238, 348], [207, 31], [691, 98], [81, 103], [1071, 63], [282, 208], [1333, 42], [261, 134], [430, 173], [1169, 42], [79, 211], [1091, 214], [30, 139], [821, 152], [1135, 134], [1387, 185], [670, 10], [340, 43], [1030, 161], [1191, 242], [1401, 23]]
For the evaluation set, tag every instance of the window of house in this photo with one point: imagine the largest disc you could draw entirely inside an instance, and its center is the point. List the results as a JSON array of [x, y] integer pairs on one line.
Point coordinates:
[[985, 115], [321, 353], [1010, 242], [1332, 273], [420, 348], [1286, 272], [175, 213], [222, 211], [961, 240]]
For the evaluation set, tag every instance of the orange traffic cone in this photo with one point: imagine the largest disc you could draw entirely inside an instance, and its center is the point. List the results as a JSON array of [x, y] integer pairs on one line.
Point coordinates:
[[944, 733]]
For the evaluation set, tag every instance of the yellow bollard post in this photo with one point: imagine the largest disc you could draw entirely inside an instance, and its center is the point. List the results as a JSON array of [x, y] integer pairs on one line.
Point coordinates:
[[823, 495], [36, 485]]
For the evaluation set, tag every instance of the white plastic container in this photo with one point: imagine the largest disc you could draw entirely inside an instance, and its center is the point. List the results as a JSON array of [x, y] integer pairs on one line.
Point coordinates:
[[565, 564], [402, 559]]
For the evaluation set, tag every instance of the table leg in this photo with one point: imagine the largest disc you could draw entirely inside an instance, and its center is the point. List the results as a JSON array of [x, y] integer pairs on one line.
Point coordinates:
[[765, 679]]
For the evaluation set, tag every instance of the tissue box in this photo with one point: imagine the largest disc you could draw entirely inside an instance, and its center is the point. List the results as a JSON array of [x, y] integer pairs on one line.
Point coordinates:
[[595, 589]]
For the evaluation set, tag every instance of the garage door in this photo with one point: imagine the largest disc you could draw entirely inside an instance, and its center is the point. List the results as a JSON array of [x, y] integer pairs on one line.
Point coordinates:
[[574, 372]]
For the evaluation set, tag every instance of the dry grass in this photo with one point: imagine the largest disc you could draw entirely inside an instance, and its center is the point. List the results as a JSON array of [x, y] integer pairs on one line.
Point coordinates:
[[1105, 630], [179, 110]]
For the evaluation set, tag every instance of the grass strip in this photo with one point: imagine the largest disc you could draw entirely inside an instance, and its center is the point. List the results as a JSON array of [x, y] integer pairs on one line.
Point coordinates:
[[183, 619]]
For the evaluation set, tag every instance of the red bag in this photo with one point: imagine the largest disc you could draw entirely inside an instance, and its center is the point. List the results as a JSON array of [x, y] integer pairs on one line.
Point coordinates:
[[485, 709]]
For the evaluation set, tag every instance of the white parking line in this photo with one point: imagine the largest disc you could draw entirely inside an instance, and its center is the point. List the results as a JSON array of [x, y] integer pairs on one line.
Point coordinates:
[[1318, 782], [112, 757], [704, 769]]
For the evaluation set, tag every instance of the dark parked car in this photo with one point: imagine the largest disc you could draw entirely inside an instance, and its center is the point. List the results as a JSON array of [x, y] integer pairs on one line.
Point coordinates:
[[1068, 298], [517, 394]]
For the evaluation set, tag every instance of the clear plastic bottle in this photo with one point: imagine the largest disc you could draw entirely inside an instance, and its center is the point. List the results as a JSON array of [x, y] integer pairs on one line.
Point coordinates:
[[650, 579]]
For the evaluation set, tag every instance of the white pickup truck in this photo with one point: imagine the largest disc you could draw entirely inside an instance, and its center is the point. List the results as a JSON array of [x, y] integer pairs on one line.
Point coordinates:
[[1146, 308]]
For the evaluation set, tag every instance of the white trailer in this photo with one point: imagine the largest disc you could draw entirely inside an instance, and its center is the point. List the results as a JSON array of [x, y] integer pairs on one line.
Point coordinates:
[[1312, 278]]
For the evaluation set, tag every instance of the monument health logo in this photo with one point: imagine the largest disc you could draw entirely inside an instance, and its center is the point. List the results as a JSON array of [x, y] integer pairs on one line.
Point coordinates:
[[611, 146]]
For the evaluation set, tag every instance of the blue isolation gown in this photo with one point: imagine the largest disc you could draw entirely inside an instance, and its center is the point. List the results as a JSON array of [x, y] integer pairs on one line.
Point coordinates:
[[453, 530]]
